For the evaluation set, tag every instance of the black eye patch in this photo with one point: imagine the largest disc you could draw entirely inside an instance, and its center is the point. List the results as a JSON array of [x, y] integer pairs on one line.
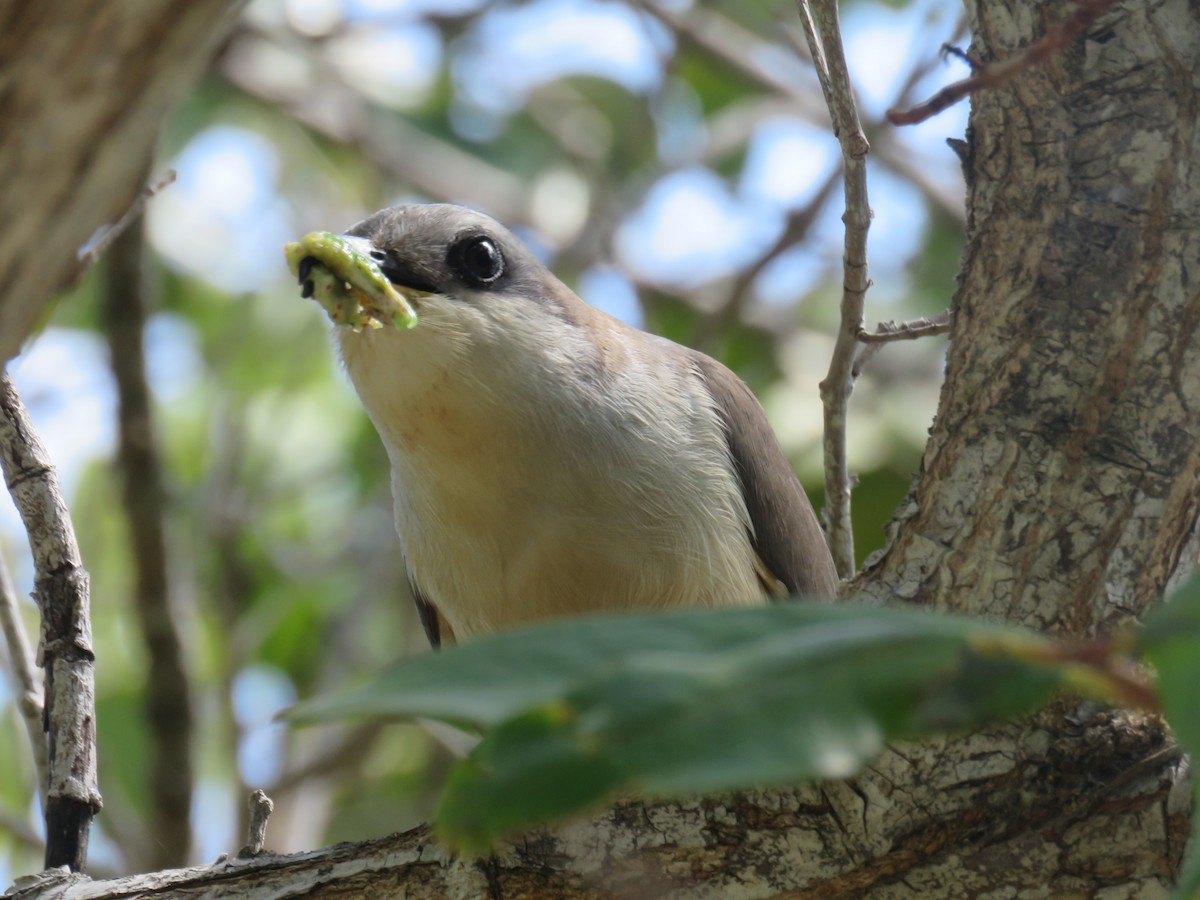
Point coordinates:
[[400, 275]]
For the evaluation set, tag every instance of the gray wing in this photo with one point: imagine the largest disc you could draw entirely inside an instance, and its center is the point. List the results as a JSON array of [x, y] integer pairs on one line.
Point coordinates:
[[428, 614], [787, 537]]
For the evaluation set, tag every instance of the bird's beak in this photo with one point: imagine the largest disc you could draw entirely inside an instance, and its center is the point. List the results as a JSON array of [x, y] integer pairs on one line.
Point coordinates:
[[344, 275]]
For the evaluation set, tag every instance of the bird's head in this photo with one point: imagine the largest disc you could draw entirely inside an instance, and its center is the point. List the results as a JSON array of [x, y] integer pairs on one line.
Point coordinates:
[[495, 326]]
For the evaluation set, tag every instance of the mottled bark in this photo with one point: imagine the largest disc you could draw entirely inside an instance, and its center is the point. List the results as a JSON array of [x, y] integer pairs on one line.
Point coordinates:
[[83, 92], [1060, 482], [834, 840], [1059, 488], [60, 587]]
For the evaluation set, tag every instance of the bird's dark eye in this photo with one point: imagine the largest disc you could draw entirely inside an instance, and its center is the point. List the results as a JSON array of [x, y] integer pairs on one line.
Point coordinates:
[[477, 259]]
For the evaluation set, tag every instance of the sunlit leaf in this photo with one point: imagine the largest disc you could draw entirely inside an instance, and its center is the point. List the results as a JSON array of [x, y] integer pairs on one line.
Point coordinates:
[[697, 701]]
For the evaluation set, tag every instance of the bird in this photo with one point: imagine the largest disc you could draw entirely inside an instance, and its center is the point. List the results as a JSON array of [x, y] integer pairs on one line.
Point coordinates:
[[549, 460]]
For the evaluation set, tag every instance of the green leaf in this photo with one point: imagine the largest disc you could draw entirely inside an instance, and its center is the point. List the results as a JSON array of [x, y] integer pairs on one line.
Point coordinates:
[[1170, 642], [695, 701]]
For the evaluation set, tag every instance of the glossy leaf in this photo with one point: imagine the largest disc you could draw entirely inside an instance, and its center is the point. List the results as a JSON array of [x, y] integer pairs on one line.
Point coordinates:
[[695, 701]]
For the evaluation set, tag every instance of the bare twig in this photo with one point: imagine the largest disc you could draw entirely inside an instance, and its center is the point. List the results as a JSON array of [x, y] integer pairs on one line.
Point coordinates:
[[950, 50], [102, 240], [68, 662], [873, 342], [907, 331], [930, 62], [437, 168], [260, 807], [167, 697], [728, 42], [25, 674], [997, 73], [798, 223], [817, 53], [830, 63]]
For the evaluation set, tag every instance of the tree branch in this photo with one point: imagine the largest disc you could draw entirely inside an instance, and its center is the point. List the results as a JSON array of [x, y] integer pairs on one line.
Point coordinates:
[[61, 590], [730, 44], [831, 68], [259, 807], [73, 147], [798, 223], [815, 840], [907, 331], [435, 167], [24, 669], [97, 244], [167, 700], [873, 341], [995, 74]]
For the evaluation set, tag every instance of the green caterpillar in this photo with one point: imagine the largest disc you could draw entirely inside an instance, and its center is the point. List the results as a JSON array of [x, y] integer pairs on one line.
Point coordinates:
[[347, 284]]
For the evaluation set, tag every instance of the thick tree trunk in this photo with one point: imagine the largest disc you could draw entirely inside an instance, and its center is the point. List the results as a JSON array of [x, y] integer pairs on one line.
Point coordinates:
[[1058, 490], [83, 93], [1028, 813], [1060, 483]]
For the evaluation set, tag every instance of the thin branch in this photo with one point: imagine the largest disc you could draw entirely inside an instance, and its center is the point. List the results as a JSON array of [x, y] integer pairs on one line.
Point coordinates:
[[437, 168], [830, 62], [798, 224], [930, 62], [817, 53], [995, 74], [907, 331], [103, 239], [873, 342], [728, 42], [167, 704], [68, 662], [31, 702], [260, 808]]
